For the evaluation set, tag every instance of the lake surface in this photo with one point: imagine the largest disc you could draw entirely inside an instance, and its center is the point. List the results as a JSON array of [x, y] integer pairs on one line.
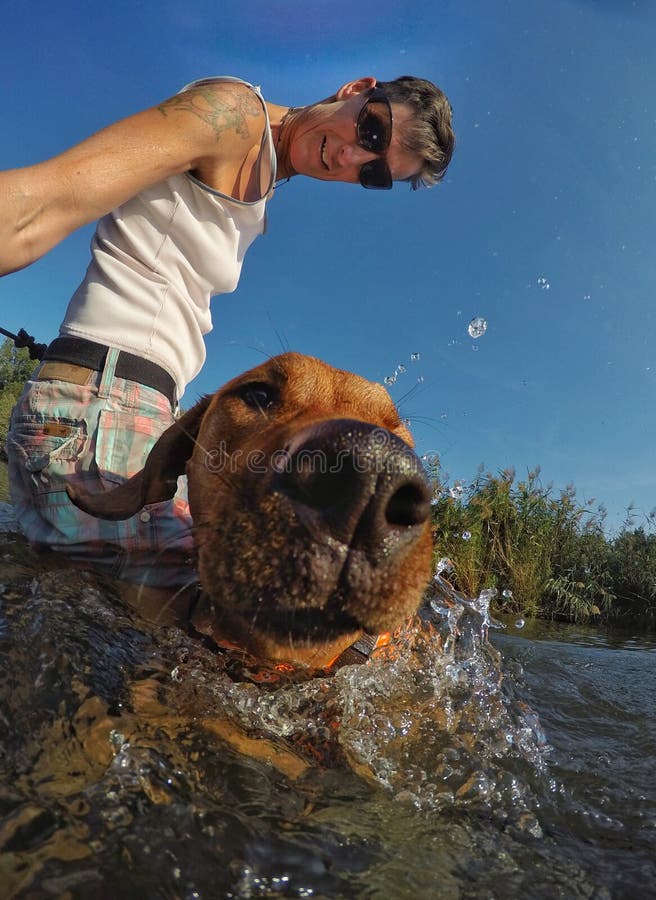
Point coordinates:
[[594, 693], [446, 767]]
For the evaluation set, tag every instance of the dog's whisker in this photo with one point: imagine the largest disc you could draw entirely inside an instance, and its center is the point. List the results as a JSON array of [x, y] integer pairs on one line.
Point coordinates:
[[429, 421], [284, 343], [179, 594], [412, 392], [417, 388]]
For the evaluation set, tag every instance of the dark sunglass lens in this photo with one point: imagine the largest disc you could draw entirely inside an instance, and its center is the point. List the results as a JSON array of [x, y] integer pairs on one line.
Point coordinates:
[[374, 127], [376, 175]]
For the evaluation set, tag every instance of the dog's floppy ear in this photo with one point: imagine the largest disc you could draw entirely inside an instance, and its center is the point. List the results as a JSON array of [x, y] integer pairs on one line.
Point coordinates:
[[158, 480]]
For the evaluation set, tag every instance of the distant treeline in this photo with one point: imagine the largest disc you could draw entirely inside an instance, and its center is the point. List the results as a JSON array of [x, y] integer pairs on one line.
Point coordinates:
[[15, 368], [545, 554]]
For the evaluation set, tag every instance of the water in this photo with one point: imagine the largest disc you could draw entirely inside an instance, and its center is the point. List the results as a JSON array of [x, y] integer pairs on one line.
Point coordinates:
[[594, 693], [137, 762]]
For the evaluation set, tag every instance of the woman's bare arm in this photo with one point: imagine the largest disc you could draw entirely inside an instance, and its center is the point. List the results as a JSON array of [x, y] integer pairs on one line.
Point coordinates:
[[41, 204]]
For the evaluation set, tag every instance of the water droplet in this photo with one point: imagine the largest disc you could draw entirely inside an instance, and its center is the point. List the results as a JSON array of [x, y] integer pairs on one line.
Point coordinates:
[[390, 379], [507, 593], [457, 490], [543, 283], [415, 357], [420, 380], [466, 535], [477, 327], [443, 565], [401, 369], [520, 623], [116, 739], [176, 674]]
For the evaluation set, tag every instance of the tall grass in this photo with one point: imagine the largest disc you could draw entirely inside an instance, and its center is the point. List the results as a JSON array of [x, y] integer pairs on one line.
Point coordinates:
[[543, 553]]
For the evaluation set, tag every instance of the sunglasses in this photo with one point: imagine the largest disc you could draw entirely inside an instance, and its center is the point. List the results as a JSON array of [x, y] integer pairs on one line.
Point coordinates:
[[374, 133]]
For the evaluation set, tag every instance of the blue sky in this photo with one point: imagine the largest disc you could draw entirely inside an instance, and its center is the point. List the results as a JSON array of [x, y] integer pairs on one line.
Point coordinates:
[[544, 226]]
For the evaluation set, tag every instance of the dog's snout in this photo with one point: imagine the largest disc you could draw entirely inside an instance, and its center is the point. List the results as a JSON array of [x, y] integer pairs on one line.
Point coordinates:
[[362, 482]]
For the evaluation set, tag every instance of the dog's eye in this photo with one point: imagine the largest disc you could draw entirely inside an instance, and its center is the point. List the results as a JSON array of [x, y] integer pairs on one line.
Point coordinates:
[[258, 395]]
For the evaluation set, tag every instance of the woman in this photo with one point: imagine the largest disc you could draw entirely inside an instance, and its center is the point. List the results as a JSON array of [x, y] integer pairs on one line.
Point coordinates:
[[181, 191]]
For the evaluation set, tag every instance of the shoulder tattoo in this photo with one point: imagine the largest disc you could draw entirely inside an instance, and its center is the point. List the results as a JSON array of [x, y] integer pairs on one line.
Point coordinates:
[[221, 110]]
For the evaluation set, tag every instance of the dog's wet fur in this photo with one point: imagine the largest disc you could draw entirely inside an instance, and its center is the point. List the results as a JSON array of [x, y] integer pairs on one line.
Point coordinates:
[[311, 510]]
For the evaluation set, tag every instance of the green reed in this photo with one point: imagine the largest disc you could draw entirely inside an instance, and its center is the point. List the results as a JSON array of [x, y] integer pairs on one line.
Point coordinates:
[[544, 553]]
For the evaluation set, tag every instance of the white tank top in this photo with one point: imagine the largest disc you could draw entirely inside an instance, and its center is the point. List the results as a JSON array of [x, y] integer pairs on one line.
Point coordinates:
[[159, 258]]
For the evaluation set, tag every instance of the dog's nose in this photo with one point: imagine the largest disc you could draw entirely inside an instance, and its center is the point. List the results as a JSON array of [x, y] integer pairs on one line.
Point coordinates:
[[357, 482]]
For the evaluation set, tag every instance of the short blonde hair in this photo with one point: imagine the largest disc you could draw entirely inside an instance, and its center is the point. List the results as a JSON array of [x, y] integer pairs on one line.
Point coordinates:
[[429, 133]]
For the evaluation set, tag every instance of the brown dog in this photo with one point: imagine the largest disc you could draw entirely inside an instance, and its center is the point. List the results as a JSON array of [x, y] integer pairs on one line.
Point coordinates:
[[311, 510]]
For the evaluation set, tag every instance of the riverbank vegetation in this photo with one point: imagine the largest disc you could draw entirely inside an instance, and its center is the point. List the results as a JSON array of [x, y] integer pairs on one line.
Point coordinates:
[[544, 553], [15, 368]]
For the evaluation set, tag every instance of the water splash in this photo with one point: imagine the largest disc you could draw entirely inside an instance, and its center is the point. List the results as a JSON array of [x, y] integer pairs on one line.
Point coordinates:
[[429, 717], [457, 490]]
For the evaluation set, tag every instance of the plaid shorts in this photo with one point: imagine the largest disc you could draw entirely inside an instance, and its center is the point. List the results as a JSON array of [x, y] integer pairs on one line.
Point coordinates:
[[98, 434]]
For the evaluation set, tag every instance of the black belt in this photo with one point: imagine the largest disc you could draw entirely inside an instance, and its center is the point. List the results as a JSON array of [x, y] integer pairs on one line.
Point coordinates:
[[129, 366]]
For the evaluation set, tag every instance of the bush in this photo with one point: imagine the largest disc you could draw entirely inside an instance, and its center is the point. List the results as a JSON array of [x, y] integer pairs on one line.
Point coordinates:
[[545, 555], [15, 368]]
